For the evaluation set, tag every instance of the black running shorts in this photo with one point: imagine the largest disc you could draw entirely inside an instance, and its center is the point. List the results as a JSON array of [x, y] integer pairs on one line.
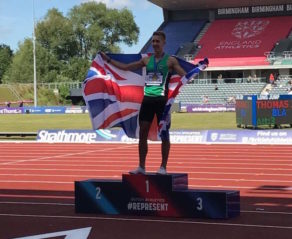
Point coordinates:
[[152, 106]]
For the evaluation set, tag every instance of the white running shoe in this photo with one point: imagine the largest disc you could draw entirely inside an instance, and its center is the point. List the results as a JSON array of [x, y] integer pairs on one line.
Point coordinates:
[[138, 170], [162, 171]]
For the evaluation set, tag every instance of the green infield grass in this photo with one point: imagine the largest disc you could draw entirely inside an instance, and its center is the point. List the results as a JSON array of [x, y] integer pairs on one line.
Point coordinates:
[[33, 123]]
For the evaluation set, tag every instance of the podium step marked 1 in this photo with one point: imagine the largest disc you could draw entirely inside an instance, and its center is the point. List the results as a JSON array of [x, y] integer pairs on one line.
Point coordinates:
[[154, 195]]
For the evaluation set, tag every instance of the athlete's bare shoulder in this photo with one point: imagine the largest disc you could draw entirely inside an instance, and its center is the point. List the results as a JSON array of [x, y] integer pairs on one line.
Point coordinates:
[[172, 60], [174, 65]]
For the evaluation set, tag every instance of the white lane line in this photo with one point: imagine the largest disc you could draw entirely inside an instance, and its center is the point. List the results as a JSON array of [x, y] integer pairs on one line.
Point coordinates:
[[148, 220], [81, 233], [266, 212], [190, 178], [152, 167], [241, 180], [64, 155], [15, 154], [27, 181], [196, 146], [113, 165], [39, 203], [184, 157], [184, 153], [72, 204], [133, 158], [191, 186]]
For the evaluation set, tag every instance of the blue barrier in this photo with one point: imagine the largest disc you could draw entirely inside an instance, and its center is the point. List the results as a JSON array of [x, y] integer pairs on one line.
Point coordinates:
[[44, 110], [11, 110]]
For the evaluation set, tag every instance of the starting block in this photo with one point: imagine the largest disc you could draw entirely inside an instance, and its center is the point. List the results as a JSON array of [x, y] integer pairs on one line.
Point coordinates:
[[154, 195]]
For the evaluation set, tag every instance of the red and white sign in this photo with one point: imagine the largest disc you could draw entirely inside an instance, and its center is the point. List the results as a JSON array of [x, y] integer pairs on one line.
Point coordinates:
[[242, 41]]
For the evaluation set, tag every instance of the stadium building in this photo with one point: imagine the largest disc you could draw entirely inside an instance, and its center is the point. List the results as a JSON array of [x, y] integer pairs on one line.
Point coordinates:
[[246, 43]]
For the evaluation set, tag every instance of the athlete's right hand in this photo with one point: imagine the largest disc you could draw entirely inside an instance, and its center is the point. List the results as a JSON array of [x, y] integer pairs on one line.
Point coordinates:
[[104, 56]]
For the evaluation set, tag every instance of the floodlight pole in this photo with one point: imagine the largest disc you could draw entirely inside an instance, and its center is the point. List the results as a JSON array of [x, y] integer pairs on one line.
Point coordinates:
[[34, 60]]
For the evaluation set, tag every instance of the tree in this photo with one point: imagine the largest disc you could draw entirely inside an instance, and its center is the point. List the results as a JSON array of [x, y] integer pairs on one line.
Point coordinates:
[[55, 33], [98, 28], [6, 55], [21, 68], [76, 69], [65, 46]]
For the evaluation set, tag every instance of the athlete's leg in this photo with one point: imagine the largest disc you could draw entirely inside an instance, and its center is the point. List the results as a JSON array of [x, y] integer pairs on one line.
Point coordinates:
[[143, 144], [146, 115], [165, 147]]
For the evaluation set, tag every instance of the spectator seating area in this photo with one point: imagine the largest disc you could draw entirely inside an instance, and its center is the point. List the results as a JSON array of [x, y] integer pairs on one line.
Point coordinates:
[[178, 33], [281, 86], [282, 58], [230, 42], [284, 45], [243, 42], [198, 93]]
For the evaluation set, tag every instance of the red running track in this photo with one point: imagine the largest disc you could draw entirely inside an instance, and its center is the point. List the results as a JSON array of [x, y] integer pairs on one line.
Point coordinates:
[[37, 184]]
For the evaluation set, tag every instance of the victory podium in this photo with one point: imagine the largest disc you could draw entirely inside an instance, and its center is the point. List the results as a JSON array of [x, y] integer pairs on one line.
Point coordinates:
[[154, 195]]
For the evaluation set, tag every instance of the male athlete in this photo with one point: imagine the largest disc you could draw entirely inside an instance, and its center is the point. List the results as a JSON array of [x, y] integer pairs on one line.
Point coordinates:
[[159, 67]]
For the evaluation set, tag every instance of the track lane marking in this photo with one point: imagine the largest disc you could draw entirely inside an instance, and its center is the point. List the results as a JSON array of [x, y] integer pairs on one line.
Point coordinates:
[[72, 204], [148, 220], [110, 165], [119, 170], [63, 155], [190, 178], [169, 167], [190, 185], [102, 159]]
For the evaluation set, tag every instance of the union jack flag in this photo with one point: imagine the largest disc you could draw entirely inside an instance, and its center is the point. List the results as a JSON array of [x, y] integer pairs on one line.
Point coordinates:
[[113, 96]]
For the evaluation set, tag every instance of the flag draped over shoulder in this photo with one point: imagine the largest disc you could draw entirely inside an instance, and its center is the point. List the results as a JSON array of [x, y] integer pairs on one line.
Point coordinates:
[[113, 96]]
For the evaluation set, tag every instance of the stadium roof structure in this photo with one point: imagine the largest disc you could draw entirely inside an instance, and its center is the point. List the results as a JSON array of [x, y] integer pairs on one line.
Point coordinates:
[[211, 4]]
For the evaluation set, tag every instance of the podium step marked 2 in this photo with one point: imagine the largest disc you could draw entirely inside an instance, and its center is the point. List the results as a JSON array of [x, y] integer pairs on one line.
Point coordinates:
[[154, 195]]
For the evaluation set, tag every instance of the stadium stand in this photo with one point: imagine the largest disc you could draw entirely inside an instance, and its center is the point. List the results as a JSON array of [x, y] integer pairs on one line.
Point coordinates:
[[187, 49], [243, 41], [282, 85], [235, 42], [196, 93], [282, 46], [178, 33]]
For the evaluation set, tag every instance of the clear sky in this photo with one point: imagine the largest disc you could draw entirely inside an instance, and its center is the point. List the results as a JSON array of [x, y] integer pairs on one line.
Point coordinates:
[[16, 18]]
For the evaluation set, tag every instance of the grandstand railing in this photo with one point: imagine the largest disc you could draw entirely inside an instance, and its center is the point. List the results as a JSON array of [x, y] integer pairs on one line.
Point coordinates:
[[272, 57], [189, 57], [230, 80], [287, 54], [53, 85], [70, 85]]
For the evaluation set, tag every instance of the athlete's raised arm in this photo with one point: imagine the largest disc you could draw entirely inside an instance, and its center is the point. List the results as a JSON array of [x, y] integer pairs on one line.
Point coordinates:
[[175, 66], [130, 66]]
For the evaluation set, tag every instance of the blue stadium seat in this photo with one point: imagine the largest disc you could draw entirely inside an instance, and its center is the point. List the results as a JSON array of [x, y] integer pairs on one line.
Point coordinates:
[[178, 33]]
